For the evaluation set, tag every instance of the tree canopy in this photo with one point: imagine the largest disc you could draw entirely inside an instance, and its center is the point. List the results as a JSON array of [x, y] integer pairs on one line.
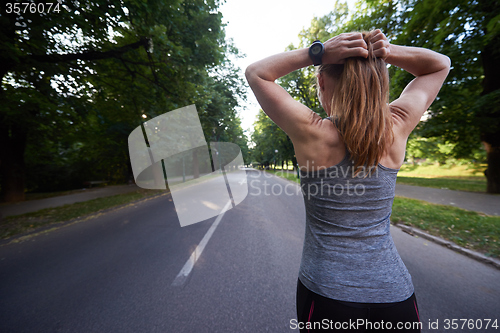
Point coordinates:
[[272, 145], [76, 82], [466, 113]]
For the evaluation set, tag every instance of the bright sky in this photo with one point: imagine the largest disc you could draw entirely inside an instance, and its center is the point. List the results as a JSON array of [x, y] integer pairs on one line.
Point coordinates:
[[260, 28]]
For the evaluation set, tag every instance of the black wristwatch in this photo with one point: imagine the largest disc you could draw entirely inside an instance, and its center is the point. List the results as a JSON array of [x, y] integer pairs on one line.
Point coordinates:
[[316, 51]]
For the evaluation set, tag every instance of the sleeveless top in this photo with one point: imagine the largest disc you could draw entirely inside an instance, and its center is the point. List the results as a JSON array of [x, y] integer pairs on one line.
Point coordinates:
[[349, 254]]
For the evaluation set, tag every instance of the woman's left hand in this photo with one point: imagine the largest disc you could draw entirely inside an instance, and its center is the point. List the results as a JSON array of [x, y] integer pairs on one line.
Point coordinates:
[[381, 46], [343, 46]]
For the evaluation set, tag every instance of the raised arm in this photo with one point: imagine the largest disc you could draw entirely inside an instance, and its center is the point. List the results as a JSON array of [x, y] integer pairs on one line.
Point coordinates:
[[286, 112], [430, 70]]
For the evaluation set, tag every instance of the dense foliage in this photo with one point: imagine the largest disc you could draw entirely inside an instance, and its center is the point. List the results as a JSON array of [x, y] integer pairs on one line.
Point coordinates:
[[273, 146], [76, 82], [466, 114]]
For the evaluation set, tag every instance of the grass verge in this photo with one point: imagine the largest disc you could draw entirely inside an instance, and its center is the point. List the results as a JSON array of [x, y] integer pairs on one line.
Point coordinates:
[[290, 175], [472, 230], [18, 224], [454, 177], [445, 170], [45, 195], [431, 176], [458, 184]]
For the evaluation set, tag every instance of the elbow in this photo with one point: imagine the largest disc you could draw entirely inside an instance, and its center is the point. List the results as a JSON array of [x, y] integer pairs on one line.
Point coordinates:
[[251, 74], [250, 71], [258, 72]]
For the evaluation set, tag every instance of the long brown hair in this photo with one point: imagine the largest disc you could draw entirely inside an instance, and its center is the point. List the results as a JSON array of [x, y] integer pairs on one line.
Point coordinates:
[[360, 105]]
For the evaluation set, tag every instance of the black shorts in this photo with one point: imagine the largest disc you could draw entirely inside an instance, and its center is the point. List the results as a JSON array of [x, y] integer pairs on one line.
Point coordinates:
[[316, 313]]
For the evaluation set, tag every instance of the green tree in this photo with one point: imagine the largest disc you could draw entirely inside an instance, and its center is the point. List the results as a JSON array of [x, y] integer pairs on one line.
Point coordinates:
[[224, 90], [268, 138], [301, 84], [429, 149], [75, 82], [467, 109]]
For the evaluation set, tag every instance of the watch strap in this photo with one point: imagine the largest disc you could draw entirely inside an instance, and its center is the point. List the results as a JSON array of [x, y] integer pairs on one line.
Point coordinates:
[[316, 51]]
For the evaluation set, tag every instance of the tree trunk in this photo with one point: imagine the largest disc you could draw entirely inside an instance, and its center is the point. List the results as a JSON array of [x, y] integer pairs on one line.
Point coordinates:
[[492, 172], [12, 138], [493, 184], [12, 169], [491, 137]]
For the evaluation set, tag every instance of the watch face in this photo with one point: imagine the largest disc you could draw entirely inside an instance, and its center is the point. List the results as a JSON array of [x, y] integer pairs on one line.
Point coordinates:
[[316, 49]]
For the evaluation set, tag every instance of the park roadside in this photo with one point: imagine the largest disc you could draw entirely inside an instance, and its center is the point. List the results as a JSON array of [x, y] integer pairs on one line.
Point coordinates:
[[449, 226], [20, 221], [41, 216], [73, 208]]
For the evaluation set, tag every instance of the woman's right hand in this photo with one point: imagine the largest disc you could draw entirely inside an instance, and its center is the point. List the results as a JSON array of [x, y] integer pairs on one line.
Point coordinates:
[[343, 46]]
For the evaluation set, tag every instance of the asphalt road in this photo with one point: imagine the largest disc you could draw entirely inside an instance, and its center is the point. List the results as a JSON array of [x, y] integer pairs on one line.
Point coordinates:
[[115, 273]]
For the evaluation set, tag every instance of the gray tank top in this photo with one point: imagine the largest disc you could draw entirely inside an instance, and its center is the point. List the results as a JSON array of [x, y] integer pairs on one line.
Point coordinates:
[[349, 254]]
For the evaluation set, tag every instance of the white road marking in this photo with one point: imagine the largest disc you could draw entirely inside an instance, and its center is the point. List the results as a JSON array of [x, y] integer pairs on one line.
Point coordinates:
[[188, 266]]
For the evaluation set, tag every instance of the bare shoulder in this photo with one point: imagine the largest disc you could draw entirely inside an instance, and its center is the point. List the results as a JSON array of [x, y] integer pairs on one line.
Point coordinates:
[[321, 146], [322, 130]]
